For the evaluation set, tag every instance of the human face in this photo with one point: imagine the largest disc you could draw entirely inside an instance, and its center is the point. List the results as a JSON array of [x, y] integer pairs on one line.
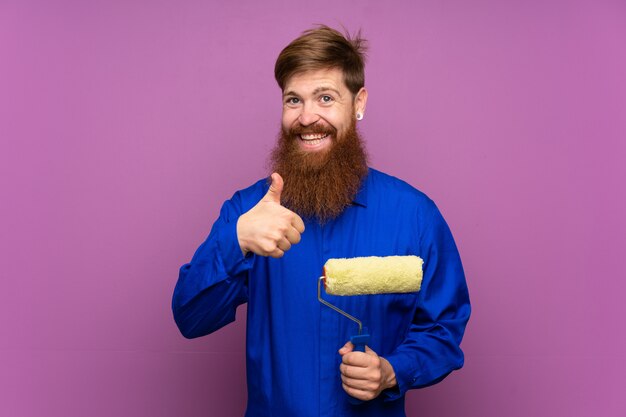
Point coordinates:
[[319, 106]]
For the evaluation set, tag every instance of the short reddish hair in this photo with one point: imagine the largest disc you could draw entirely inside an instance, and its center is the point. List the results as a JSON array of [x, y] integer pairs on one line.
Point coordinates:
[[324, 48]]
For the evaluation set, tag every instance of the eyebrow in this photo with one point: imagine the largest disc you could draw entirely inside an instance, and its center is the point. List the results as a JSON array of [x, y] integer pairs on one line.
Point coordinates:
[[315, 92]]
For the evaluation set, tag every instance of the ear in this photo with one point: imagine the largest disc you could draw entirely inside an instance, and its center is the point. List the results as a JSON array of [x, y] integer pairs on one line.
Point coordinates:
[[360, 101]]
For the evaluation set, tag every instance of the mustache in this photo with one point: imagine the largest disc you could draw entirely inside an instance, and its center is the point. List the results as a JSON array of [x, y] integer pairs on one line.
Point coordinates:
[[318, 127]]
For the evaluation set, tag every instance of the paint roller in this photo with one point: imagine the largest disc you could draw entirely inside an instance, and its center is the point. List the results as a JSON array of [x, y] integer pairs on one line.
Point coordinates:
[[369, 275]]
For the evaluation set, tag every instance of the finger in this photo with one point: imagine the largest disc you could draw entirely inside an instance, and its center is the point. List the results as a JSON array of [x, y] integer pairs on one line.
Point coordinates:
[[276, 253], [276, 188], [283, 244], [360, 359], [358, 394], [297, 222], [292, 235], [353, 372], [348, 347], [360, 384]]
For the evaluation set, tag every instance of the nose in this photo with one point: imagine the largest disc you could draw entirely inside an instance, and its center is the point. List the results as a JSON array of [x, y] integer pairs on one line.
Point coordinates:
[[308, 116]]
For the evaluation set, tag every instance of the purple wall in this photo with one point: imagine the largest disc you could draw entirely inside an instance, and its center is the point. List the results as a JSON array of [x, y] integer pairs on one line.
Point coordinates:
[[124, 125]]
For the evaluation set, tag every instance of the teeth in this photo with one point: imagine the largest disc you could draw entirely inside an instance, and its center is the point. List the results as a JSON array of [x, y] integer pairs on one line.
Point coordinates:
[[314, 141], [314, 137]]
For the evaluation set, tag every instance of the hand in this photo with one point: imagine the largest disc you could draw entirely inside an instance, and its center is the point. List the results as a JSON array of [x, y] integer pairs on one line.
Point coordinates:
[[365, 375], [269, 229]]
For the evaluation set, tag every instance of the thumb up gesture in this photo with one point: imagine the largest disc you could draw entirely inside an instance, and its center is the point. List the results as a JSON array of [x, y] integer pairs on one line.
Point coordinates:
[[269, 229]]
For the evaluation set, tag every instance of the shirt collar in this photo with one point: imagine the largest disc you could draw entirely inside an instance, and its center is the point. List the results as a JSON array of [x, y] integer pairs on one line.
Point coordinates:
[[360, 198]]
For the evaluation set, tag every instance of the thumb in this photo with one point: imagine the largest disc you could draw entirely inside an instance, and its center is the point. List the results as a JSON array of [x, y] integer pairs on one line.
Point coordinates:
[[370, 351], [276, 188], [348, 347]]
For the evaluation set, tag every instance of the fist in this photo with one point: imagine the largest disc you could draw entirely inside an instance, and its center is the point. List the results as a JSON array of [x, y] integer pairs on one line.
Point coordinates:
[[269, 229], [364, 375]]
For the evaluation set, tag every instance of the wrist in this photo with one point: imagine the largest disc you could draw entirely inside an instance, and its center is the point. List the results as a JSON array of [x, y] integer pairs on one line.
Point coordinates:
[[389, 375]]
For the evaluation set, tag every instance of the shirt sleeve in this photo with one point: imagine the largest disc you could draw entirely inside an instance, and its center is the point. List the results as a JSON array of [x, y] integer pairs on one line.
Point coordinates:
[[215, 282], [431, 348]]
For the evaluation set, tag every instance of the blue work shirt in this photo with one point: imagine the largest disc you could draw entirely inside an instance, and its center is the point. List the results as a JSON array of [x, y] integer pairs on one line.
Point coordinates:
[[292, 339]]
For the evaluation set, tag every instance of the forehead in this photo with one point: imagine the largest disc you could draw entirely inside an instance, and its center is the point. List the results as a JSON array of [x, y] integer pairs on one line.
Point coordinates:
[[310, 81]]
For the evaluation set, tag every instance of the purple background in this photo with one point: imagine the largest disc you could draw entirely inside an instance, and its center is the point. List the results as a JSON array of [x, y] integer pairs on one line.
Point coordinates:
[[125, 125]]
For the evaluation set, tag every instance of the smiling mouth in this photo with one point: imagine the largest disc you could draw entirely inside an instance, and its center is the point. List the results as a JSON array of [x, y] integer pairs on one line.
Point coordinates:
[[313, 138]]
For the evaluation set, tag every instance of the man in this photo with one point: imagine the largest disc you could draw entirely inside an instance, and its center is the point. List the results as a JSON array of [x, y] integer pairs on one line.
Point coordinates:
[[269, 244]]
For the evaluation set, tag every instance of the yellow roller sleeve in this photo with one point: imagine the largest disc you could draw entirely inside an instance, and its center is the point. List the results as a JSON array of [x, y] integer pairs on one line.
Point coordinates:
[[373, 275]]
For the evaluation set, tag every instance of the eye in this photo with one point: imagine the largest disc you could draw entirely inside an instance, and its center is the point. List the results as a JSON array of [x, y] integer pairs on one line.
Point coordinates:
[[292, 100], [326, 98]]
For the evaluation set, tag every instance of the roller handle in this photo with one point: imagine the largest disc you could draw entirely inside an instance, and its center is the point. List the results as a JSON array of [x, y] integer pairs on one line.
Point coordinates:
[[359, 341]]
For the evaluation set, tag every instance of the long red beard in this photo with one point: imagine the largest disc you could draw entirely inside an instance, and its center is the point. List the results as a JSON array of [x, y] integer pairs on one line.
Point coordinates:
[[320, 184]]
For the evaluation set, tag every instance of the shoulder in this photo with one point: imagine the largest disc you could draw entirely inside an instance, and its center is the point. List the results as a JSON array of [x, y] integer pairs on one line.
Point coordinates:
[[392, 190], [244, 199], [254, 192], [401, 201]]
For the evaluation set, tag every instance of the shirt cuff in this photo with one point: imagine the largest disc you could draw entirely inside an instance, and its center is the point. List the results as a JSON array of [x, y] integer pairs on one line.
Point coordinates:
[[406, 370]]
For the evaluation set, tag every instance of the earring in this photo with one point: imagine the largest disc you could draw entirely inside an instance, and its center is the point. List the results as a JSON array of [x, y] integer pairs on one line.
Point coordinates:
[[359, 116]]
